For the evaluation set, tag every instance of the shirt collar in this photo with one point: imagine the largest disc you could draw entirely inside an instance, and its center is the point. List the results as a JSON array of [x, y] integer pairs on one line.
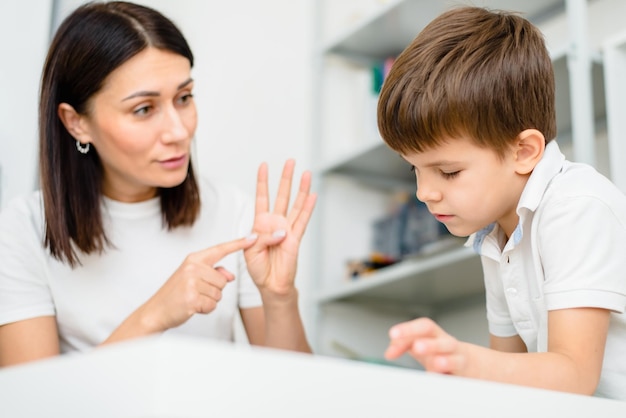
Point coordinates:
[[549, 166]]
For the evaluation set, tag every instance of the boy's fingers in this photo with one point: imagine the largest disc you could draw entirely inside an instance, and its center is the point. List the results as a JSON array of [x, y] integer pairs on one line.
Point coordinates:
[[418, 328], [396, 349]]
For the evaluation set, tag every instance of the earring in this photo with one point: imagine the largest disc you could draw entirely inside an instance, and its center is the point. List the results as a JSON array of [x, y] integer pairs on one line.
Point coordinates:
[[82, 148]]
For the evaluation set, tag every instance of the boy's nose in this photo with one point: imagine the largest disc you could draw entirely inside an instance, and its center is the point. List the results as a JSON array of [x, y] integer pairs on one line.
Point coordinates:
[[426, 193]]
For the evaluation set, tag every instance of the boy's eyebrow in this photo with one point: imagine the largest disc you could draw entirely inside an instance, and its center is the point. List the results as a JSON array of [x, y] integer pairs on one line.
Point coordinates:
[[440, 163], [145, 93]]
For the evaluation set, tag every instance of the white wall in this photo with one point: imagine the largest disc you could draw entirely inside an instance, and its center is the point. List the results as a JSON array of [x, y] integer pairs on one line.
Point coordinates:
[[253, 86], [24, 31], [252, 73]]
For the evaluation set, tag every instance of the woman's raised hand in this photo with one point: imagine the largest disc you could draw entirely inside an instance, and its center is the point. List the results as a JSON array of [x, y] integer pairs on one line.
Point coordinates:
[[272, 260]]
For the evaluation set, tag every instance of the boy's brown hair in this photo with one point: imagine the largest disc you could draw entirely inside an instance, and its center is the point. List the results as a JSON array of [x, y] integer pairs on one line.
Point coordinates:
[[470, 72]]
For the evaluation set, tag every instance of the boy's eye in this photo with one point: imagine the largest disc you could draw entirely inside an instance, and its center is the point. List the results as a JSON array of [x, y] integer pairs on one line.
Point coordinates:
[[450, 175]]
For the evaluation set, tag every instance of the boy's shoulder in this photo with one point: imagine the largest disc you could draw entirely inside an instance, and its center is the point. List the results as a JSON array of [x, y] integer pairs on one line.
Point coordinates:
[[579, 186], [579, 179]]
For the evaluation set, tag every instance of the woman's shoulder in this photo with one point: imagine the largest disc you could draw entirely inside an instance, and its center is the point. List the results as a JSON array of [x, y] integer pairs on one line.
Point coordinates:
[[24, 208], [22, 220]]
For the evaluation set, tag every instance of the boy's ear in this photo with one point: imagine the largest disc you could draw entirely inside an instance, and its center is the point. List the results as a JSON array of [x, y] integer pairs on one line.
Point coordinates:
[[529, 149], [73, 122]]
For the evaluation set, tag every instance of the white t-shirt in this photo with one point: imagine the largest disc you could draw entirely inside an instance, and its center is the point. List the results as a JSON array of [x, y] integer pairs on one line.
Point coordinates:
[[91, 300], [568, 251]]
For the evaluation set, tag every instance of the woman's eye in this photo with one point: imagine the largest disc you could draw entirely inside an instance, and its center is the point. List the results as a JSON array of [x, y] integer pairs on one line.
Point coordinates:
[[185, 98], [142, 111]]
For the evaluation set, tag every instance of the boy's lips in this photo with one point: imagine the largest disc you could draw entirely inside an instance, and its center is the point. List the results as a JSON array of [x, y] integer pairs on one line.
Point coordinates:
[[442, 218]]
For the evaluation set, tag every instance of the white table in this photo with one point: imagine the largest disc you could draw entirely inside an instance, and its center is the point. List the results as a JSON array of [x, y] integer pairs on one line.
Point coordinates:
[[183, 377]]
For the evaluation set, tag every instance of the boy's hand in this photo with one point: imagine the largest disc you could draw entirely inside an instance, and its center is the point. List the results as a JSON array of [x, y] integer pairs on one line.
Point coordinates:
[[425, 341]]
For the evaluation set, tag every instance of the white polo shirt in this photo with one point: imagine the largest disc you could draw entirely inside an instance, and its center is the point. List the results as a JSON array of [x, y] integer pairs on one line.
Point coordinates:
[[568, 251]]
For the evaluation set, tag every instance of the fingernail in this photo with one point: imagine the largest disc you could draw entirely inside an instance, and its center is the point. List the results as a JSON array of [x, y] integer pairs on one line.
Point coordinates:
[[252, 237], [394, 333], [279, 233]]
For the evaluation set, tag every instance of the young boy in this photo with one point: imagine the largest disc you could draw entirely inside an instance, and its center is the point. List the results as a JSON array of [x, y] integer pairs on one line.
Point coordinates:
[[470, 105]]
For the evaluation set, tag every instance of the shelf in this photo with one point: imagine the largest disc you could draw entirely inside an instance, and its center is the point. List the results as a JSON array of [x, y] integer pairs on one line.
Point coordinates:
[[428, 280], [372, 163], [563, 94], [400, 21]]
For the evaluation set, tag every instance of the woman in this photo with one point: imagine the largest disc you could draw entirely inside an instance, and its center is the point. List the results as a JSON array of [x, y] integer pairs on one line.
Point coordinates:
[[123, 240]]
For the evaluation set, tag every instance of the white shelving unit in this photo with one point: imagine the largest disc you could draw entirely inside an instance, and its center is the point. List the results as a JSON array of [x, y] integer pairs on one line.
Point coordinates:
[[614, 51], [424, 281], [358, 177]]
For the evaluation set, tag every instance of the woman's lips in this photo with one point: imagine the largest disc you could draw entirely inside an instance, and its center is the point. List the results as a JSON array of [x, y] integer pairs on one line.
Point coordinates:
[[175, 162]]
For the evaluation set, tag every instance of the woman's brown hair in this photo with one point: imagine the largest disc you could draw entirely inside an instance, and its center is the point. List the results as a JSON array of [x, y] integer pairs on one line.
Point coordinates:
[[470, 71], [90, 43]]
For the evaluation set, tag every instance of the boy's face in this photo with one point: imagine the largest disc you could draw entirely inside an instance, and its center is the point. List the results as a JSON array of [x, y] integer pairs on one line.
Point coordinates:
[[467, 187]]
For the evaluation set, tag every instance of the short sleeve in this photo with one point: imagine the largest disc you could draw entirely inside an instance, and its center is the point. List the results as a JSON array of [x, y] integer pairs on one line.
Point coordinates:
[[583, 246], [24, 291]]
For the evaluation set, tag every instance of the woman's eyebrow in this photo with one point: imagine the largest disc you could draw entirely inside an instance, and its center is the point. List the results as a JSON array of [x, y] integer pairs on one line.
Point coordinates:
[[146, 93]]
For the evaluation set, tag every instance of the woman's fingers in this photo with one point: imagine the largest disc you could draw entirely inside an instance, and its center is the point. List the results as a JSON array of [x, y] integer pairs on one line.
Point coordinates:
[[265, 241], [225, 273], [212, 255], [283, 196], [262, 202], [302, 221], [284, 188], [202, 281], [303, 192], [208, 289]]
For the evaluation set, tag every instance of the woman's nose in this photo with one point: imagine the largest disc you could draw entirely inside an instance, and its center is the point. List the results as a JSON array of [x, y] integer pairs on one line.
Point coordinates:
[[174, 129]]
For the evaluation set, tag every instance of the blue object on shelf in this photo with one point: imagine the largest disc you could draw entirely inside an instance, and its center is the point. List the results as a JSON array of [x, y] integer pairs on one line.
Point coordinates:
[[406, 231]]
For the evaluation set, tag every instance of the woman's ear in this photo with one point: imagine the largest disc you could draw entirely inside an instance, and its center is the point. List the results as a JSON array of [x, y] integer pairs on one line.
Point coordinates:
[[73, 122], [529, 149]]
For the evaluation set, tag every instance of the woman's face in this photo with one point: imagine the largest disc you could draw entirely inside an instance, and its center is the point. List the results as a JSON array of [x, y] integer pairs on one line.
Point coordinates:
[[142, 123]]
